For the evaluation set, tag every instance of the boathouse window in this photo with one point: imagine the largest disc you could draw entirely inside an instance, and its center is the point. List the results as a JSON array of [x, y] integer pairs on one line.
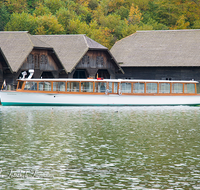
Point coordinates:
[[177, 88], [59, 86], [151, 88], [164, 88], [86, 86], [45, 86], [73, 87], [30, 86], [126, 87], [189, 88], [100, 87], [138, 87]]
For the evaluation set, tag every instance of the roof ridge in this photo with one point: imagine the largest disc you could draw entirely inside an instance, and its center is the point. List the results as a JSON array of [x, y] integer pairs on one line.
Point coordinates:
[[86, 41], [125, 37], [28, 35], [178, 30], [14, 32], [62, 35]]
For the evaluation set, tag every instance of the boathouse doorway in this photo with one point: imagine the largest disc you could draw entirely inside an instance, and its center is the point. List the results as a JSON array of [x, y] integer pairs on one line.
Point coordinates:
[[46, 75], [103, 73], [80, 74]]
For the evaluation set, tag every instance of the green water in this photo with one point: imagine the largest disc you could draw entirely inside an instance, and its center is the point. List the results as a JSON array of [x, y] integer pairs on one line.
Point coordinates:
[[99, 148]]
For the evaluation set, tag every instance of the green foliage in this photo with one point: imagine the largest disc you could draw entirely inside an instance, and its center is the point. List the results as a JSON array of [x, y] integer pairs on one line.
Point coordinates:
[[41, 10], [21, 22], [17, 6], [48, 24], [105, 21], [4, 16], [53, 5]]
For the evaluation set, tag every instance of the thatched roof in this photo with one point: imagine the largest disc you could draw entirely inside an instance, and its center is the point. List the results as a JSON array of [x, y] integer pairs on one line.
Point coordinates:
[[16, 46], [70, 48], [164, 48]]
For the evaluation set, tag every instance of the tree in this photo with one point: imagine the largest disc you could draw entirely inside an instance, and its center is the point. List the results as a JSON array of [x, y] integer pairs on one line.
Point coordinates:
[[21, 22], [135, 16], [17, 6], [64, 16], [48, 24], [54, 5], [4, 16], [100, 34], [196, 24], [181, 23], [41, 10]]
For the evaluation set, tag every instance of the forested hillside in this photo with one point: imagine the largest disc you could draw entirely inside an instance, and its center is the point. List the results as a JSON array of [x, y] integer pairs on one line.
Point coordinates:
[[105, 21]]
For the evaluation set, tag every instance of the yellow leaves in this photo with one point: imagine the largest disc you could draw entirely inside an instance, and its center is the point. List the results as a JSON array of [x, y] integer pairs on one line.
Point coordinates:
[[181, 23], [115, 4], [48, 24], [17, 6], [41, 10], [102, 36], [135, 16], [83, 2]]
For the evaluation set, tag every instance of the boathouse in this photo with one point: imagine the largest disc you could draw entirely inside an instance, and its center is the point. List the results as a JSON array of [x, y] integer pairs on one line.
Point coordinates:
[[83, 57], [54, 56], [21, 51], [164, 54]]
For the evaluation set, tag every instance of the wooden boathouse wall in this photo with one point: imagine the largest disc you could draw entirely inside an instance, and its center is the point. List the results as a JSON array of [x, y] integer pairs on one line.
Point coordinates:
[[94, 62], [161, 73], [44, 63]]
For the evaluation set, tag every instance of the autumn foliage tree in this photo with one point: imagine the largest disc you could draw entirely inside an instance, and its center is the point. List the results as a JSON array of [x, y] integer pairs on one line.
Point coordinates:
[[105, 21]]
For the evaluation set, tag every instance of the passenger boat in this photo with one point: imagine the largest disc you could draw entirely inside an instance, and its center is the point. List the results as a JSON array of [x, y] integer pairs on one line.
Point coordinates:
[[103, 92]]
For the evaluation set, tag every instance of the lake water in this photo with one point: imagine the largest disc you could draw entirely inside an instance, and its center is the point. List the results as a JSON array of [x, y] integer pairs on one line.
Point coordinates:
[[100, 148]]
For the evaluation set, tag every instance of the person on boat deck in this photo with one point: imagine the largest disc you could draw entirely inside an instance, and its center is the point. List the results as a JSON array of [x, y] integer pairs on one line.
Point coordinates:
[[102, 87]]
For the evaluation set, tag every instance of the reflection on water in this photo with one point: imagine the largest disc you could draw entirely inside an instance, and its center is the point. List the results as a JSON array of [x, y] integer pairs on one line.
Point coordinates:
[[100, 148]]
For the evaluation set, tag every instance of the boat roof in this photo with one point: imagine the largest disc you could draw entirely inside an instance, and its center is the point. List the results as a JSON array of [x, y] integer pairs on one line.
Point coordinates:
[[105, 80]]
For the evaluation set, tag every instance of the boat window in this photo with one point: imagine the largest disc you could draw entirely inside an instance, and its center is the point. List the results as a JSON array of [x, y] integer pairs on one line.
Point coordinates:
[[151, 88], [126, 87], [45, 86], [20, 84], [100, 87], [30, 86], [86, 86], [73, 87], [115, 87], [110, 87], [138, 87], [59, 86], [164, 88], [177, 88], [198, 88], [189, 88]]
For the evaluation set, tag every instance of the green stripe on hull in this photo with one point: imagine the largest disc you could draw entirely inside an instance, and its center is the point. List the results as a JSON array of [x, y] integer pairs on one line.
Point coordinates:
[[61, 104]]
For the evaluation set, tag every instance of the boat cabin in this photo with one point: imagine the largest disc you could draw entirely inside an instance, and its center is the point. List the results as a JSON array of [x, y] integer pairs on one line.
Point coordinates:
[[109, 86]]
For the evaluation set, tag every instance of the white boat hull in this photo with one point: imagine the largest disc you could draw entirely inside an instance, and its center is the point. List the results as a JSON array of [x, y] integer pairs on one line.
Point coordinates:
[[33, 99]]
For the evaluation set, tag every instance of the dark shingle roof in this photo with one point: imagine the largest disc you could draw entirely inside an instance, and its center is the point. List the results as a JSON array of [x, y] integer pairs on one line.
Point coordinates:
[[70, 48], [159, 49], [16, 46]]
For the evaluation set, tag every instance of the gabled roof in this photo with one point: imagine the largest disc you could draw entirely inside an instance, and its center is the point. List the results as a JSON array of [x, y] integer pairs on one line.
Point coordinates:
[[16, 46], [70, 48], [161, 48]]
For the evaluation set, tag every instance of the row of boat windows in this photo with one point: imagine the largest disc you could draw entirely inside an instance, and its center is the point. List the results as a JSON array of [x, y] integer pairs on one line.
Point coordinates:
[[110, 87]]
